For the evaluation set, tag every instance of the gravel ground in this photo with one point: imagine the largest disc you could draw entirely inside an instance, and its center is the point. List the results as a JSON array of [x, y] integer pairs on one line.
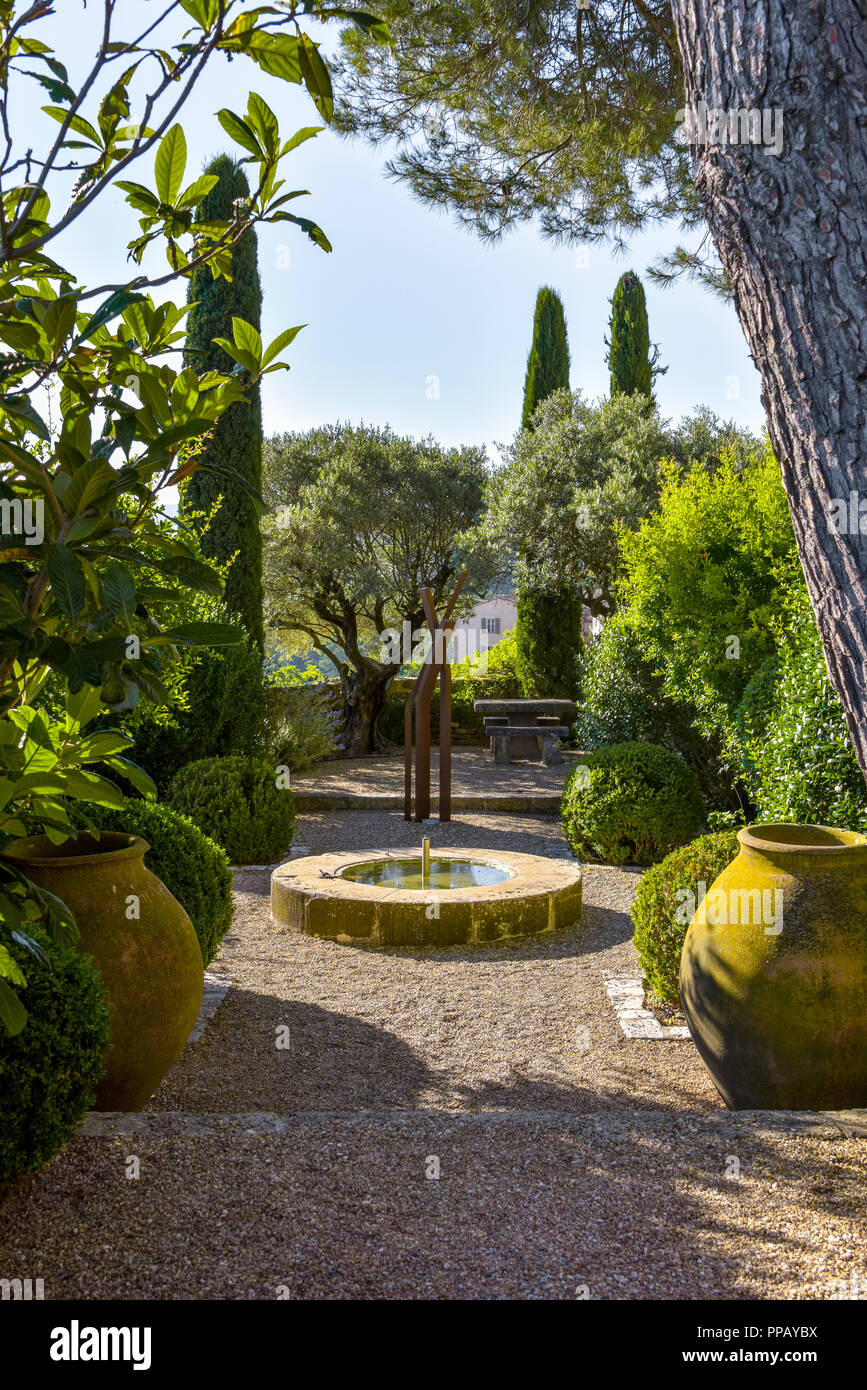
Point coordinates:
[[573, 1162], [630, 1208], [525, 1027], [473, 771]]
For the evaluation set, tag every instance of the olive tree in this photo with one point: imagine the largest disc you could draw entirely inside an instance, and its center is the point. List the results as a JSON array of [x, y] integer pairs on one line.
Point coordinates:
[[568, 486], [360, 520]]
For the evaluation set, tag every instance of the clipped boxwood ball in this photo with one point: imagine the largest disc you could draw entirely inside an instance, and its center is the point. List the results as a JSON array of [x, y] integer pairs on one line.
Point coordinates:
[[236, 801], [49, 1071], [667, 897], [194, 869], [630, 803]]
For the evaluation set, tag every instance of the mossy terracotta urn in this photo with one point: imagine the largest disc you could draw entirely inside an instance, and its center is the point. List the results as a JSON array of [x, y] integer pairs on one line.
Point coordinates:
[[143, 945], [773, 976]]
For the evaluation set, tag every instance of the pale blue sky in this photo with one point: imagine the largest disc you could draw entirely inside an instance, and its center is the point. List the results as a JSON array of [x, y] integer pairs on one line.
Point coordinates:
[[406, 295]]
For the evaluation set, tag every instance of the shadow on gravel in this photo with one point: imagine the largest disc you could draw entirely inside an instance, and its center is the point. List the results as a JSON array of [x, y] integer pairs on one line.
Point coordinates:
[[262, 1053], [292, 1056]]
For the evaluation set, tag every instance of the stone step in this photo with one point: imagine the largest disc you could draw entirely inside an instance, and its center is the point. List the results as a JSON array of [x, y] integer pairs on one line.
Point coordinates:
[[829, 1125], [539, 804]]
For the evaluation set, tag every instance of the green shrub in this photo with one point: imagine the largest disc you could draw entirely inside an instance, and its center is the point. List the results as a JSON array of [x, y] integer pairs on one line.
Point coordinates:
[[49, 1071], [661, 912], [236, 801], [302, 726], [630, 804], [795, 745], [622, 701], [751, 719], [621, 698], [193, 868], [223, 713], [702, 580]]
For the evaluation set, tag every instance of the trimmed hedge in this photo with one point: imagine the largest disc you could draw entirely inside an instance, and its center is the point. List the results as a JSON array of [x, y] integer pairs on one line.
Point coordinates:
[[630, 804], [49, 1071], [236, 801], [660, 917], [193, 868]]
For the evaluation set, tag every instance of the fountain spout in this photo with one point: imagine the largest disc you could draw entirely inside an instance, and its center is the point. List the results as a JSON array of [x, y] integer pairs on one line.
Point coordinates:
[[425, 862]]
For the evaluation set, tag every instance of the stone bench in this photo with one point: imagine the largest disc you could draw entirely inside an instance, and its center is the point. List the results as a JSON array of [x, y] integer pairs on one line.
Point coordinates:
[[506, 738]]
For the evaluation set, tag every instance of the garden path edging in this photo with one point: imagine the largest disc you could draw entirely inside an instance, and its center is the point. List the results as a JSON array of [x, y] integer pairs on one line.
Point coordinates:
[[626, 993]]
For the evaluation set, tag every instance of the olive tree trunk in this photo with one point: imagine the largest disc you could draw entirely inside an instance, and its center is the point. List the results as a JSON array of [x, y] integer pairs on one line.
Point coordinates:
[[791, 231], [364, 696]]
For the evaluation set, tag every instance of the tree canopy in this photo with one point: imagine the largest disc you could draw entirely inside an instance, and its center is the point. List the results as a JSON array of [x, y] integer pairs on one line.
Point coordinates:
[[360, 520], [552, 112], [587, 471]]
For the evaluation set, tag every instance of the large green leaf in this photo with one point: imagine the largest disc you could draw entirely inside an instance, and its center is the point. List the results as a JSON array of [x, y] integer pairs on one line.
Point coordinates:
[[101, 746], [118, 589], [138, 196], [67, 579], [109, 309], [89, 483], [317, 78], [171, 161], [247, 337], [239, 131], [282, 340], [134, 774], [20, 408]]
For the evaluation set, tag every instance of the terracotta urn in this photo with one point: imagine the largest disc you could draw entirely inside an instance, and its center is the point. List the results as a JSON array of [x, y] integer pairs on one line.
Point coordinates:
[[773, 976], [143, 944]]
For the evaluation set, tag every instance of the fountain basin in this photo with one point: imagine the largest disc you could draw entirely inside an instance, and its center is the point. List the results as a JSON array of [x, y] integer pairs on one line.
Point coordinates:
[[337, 896]]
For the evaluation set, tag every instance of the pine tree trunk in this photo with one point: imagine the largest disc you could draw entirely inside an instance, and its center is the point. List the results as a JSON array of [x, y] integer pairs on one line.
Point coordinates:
[[791, 231]]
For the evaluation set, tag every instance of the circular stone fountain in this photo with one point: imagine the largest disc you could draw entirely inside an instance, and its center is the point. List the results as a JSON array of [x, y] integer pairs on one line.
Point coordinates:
[[390, 898]]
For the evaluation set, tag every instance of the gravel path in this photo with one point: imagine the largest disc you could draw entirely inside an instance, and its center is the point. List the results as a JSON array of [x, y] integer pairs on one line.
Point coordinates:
[[473, 771], [572, 1161], [624, 1207], [526, 1027]]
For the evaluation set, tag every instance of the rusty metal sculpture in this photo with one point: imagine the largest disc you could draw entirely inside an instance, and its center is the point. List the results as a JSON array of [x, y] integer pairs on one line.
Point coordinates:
[[436, 669]]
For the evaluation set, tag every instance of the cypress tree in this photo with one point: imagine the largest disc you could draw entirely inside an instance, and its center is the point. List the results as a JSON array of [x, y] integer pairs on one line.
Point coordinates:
[[237, 438], [632, 363], [548, 362], [548, 641], [548, 629]]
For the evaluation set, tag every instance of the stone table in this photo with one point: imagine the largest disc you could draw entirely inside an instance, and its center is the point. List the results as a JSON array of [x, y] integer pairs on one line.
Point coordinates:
[[526, 728]]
